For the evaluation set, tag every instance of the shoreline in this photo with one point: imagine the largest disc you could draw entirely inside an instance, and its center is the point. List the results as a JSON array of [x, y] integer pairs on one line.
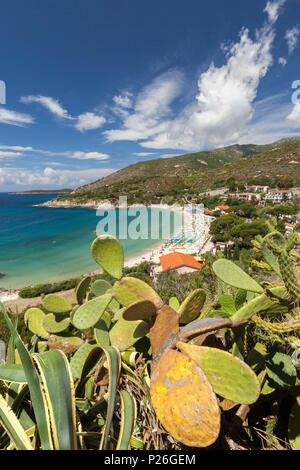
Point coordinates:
[[152, 253]]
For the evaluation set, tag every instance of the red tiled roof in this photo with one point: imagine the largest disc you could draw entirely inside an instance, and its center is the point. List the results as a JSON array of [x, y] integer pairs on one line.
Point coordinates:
[[223, 207], [208, 212], [280, 191], [176, 260]]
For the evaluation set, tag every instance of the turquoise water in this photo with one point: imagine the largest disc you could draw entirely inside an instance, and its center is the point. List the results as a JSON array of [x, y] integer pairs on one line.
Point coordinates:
[[41, 244]]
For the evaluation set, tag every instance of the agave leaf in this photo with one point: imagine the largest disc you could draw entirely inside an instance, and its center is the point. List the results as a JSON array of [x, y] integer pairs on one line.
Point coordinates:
[[128, 418], [13, 427], [114, 368], [107, 251], [12, 373], [59, 392], [34, 384]]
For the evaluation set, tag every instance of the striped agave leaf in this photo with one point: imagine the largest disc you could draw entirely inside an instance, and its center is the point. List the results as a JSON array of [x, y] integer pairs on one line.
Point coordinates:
[[128, 419], [13, 427], [59, 393], [34, 384], [114, 367]]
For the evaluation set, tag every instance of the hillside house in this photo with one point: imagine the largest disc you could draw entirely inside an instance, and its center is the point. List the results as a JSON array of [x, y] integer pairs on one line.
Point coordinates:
[[179, 262], [279, 195], [246, 197], [258, 188]]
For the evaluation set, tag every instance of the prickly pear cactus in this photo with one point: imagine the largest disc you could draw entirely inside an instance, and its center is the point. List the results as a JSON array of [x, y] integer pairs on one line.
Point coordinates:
[[33, 318], [230, 377], [53, 325], [107, 251], [231, 274], [88, 314], [184, 400], [191, 306], [54, 303]]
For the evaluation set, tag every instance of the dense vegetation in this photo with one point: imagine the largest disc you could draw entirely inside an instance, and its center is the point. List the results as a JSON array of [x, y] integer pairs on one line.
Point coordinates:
[[110, 371]]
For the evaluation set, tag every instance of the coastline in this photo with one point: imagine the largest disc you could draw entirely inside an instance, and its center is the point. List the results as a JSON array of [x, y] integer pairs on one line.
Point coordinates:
[[152, 253]]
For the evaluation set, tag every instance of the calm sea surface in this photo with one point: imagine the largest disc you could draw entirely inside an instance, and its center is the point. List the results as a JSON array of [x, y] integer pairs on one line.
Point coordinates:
[[40, 244]]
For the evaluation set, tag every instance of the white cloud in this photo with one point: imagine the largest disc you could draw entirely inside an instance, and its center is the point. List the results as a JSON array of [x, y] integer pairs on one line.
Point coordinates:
[[143, 154], [49, 103], [88, 121], [282, 61], [272, 9], [16, 147], [124, 100], [293, 119], [9, 154], [220, 112], [49, 177], [14, 118], [292, 36], [89, 155], [151, 106]]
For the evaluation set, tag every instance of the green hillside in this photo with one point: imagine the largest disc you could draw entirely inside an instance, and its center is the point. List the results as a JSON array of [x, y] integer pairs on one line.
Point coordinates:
[[268, 168], [184, 165]]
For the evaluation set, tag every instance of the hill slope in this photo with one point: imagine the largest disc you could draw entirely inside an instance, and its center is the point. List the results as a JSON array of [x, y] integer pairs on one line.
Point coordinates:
[[266, 168], [184, 165]]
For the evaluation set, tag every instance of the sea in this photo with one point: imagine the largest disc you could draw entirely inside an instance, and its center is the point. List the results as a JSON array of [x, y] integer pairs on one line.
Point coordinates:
[[46, 244]]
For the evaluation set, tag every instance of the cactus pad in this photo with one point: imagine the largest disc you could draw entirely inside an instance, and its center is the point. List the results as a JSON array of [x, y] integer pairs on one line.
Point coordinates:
[[54, 303], [100, 287], [107, 251], [139, 310], [88, 314], [65, 344], [184, 400], [34, 320], [82, 288], [191, 306], [125, 334], [101, 330], [130, 289], [231, 274], [52, 325], [174, 303], [294, 425], [230, 377]]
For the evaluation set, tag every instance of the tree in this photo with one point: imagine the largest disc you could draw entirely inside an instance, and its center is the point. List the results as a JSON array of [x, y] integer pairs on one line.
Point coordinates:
[[221, 227], [285, 182]]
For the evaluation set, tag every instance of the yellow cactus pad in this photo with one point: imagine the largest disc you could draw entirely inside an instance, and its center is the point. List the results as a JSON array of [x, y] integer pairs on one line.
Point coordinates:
[[184, 400]]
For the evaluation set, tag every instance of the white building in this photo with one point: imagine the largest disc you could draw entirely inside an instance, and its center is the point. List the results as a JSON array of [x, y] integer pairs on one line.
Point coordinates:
[[279, 195], [258, 188], [247, 197]]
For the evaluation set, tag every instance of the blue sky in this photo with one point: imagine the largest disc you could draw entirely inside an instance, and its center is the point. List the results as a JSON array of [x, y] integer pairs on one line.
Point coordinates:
[[95, 85]]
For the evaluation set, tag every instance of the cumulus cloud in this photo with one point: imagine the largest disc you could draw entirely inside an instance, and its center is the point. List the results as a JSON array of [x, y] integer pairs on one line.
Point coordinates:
[[220, 111], [124, 100], [292, 36], [49, 177], [152, 106], [14, 118], [143, 154], [88, 121], [282, 61], [272, 9]]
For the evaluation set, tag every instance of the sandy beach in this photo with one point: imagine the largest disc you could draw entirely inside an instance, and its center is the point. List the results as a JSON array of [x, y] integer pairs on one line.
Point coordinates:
[[192, 238]]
